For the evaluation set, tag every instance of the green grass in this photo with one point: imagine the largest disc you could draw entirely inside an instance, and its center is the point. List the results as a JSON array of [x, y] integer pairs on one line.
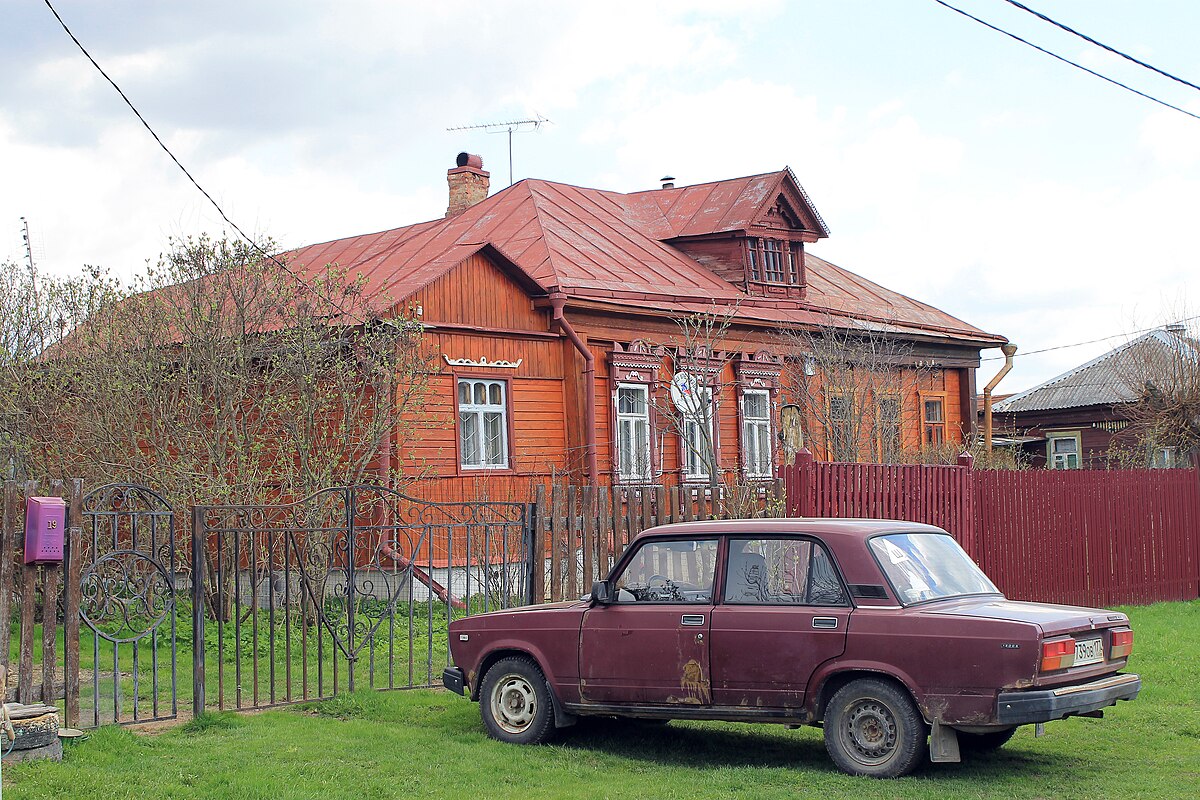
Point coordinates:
[[425, 743]]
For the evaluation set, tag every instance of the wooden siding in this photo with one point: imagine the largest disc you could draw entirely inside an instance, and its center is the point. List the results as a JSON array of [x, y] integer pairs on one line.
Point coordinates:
[[478, 293]]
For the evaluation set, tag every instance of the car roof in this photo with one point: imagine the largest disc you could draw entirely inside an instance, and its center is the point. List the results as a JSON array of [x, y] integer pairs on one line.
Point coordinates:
[[825, 527]]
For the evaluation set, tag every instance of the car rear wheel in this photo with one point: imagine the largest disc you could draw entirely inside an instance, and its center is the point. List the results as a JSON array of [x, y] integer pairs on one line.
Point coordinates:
[[515, 702], [872, 728], [984, 742]]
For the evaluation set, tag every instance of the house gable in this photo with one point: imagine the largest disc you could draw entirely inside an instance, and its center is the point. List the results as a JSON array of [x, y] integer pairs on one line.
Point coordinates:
[[480, 292]]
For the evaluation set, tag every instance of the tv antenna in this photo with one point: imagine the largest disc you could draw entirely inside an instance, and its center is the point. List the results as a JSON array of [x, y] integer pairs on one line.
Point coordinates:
[[512, 126]]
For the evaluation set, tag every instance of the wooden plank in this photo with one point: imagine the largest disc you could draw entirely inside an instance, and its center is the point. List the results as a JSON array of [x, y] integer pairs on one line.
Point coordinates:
[[73, 570], [557, 534], [603, 531], [661, 515], [539, 544], [51, 575], [8, 540], [572, 548], [587, 503]]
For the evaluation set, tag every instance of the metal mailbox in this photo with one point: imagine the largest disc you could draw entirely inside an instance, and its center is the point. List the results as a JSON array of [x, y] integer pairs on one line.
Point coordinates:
[[45, 523]]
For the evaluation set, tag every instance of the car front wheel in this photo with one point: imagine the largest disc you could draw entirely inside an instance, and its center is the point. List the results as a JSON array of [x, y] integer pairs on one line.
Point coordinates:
[[515, 702], [872, 728]]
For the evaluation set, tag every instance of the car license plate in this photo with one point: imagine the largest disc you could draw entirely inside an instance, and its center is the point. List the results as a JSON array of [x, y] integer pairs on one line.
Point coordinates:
[[1088, 651]]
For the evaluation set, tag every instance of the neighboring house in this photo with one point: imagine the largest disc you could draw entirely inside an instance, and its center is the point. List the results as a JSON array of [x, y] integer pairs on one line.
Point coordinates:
[[1081, 419], [549, 306]]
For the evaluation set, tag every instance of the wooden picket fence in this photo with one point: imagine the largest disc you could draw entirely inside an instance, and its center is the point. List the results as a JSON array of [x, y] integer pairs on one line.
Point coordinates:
[[581, 531], [42, 595]]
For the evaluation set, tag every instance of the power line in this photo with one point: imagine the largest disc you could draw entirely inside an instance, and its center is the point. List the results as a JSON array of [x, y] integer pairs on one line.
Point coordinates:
[[1066, 60], [1102, 45], [1094, 341], [303, 283]]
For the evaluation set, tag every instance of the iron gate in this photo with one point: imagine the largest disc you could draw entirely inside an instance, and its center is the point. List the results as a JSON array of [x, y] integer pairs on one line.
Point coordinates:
[[353, 586], [128, 567]]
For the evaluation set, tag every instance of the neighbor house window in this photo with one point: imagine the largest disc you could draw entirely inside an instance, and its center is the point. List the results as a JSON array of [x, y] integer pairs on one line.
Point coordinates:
[[934, 419], [756, 432], [633, 432], [698, 437], [482, 423], [888, 432], [1062, 451]]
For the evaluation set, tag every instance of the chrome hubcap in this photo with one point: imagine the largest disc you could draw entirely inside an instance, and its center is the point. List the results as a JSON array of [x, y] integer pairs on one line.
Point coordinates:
[[513, 704]]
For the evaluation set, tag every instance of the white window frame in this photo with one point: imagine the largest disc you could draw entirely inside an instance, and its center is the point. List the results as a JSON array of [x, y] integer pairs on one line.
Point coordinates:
[[695, 465], [480, 412], [629, 472], [1052, 458], [750, 441]]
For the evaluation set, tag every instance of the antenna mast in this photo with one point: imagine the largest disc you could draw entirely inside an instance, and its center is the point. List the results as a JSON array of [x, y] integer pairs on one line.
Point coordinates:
[[28, 245], [510, 127]]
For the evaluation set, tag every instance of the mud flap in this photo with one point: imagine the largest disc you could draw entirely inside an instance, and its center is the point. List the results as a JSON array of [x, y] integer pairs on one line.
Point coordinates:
[[943, 744]]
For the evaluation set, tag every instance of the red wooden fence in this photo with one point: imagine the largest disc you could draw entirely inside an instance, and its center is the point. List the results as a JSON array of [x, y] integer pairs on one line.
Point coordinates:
[[1084, 537]]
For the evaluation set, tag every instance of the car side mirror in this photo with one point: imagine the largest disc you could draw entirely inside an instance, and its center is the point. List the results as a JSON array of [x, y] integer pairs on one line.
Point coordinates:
[[601, 593]]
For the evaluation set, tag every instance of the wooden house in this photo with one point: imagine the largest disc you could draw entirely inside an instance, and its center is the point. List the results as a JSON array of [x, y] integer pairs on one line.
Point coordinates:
[[1081, 419], [553, 311]]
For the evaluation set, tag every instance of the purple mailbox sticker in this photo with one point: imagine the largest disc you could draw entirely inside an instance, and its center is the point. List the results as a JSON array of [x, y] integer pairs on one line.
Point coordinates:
[[45, 522]]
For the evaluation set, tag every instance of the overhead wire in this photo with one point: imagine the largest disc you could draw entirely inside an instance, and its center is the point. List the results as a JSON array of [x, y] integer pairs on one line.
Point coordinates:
[[1110, 337], [1101, 45], [250, 240], [1065, 60]]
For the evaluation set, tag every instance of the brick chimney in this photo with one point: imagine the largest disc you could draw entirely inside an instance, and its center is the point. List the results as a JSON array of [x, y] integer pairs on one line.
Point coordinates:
[[468, 183]]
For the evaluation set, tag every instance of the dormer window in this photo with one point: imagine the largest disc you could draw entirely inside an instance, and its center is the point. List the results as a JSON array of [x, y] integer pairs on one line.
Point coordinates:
[[773, 261]]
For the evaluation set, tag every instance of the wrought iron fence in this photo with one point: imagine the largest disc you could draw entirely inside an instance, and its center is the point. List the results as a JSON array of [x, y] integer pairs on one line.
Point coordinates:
[[353, 586]]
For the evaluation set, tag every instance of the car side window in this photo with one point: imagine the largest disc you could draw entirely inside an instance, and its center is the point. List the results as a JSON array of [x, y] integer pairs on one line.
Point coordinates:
[[796, 572], [669, 572]]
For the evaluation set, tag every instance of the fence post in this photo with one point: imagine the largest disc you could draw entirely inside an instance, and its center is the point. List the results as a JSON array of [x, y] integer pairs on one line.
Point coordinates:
[[534, 568], [966, 511], [72, 572], [29, 577], [801, 505], [537, 551], [8, 544], [198, 541]]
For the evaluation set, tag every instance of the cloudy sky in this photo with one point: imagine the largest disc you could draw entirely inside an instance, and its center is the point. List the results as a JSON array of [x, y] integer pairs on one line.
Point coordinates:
[[951, 163]]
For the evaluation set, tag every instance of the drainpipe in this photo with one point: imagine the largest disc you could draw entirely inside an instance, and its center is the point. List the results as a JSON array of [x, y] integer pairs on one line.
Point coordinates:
[[1009, 349], [557, 301]]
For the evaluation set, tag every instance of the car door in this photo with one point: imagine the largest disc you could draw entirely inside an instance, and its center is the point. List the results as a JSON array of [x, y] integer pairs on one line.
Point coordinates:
[[783, 612], [650, 646]]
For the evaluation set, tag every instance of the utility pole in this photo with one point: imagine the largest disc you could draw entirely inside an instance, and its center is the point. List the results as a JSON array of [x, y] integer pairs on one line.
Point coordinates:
[[510, 127]]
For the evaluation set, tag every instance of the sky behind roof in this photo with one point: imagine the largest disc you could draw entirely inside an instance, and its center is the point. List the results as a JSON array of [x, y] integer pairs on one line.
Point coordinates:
[[951, 163]]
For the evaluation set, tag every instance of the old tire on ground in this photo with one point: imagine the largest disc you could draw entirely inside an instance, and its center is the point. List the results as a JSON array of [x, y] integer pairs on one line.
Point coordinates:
[[872, 728], [976, 743], [515, 703]]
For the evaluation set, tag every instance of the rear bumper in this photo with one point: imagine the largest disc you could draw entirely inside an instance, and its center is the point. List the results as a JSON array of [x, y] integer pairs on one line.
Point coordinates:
[[1022, 708], [454, 680]]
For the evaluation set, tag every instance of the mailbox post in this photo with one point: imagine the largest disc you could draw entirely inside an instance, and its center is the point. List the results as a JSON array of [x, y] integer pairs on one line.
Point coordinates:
[[45, 524]]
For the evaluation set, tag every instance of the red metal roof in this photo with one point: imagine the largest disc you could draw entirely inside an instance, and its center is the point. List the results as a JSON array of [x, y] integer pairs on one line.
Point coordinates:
[[608, 247]]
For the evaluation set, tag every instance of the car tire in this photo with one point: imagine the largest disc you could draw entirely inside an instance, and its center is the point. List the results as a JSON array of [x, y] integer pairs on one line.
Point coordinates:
[[515, 702], [977, 743], [872, 728]]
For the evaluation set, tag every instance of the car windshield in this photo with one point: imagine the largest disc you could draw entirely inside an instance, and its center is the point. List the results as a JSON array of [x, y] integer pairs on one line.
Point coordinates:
[[928, 566]]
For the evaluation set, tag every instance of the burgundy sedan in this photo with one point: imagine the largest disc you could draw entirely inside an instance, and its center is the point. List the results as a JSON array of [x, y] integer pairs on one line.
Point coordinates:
[[883, 633]]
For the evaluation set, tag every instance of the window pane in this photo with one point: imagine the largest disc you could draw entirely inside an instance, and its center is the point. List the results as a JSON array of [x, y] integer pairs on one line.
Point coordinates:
[[781, 572], [464, 392], [933, 411], [495, 394], [480, 393], [669, 572], [631, 400], [1065, 446], [468, 432], [754, 405], [493, 430]]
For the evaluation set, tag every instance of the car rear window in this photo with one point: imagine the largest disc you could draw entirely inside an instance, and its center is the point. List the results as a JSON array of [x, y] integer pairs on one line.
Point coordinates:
[[928, 566]]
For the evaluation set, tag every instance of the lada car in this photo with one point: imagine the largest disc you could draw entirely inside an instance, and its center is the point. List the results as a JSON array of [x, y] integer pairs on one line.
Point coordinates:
[[883, 633]]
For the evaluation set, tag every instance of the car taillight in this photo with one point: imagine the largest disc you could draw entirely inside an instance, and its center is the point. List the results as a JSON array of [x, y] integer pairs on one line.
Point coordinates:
[[1122, 643], [1058, 654]]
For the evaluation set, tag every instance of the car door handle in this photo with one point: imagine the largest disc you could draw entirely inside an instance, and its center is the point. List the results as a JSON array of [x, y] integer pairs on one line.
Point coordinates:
[[825, 622], [692, 619]]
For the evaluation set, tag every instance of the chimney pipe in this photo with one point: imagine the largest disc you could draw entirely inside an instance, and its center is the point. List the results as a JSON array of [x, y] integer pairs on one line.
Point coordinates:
[[667, 182], [468, 182]]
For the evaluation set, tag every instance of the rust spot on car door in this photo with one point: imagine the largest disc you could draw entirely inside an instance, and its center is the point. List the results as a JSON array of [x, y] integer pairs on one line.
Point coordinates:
[[694, 684]]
